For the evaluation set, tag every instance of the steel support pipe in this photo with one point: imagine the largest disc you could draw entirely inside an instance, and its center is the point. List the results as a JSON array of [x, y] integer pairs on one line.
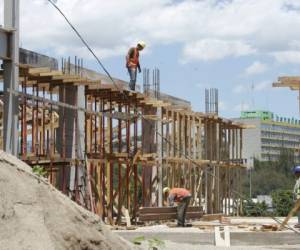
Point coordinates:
[[11, 77]]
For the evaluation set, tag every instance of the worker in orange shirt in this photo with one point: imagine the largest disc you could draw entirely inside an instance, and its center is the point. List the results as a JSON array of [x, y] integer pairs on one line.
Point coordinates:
[[182, 197], [133, 63]]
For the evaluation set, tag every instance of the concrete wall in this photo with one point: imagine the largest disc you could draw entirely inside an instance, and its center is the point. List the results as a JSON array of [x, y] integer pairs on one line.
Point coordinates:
[[251, 140], [37, 60]]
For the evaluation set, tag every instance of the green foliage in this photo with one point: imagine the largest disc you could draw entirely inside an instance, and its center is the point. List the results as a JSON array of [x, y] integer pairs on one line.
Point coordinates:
[[282, 202], [268, 176], [138, 240], [255, 209], [40, 171], [153, 244]]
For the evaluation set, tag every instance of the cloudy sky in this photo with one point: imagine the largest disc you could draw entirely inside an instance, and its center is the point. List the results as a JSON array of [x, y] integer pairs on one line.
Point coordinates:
[[237, 46]]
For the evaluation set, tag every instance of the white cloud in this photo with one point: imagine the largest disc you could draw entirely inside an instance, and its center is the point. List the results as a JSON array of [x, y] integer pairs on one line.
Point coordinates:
[[1, 13], [260, 86], [223, 29], [240, 88], [290, 56], [223, 106], [256, 68], [241, 107], [213, 49], [263, 85]]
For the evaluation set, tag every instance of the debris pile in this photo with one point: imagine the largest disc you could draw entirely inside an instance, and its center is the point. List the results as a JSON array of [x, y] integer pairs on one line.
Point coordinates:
[[34, 215]]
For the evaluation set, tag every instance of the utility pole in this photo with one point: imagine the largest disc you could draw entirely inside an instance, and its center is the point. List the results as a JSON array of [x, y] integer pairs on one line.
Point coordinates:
[[250, 186], [11, 78]]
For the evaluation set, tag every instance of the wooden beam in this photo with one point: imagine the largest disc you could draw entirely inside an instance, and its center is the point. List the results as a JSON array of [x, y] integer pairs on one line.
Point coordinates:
[[169, 216], [115, 115], [162, 210]]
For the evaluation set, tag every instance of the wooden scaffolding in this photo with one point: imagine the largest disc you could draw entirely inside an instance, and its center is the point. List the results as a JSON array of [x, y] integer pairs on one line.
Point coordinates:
[[108, 148]]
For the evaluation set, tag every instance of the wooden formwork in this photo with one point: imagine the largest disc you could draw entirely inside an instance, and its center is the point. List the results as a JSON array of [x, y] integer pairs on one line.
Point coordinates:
[[110, 149], [114, 156], [203, 154]]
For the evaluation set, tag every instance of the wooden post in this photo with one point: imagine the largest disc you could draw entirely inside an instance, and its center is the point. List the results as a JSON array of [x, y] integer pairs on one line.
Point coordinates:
[[160, 156]]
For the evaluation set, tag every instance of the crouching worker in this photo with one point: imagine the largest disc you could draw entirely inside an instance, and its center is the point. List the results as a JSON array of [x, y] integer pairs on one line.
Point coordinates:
[[182, 197], [297, 191]]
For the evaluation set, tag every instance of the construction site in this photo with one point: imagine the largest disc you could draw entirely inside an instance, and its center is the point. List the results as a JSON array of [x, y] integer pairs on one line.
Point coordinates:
[[106, 153]]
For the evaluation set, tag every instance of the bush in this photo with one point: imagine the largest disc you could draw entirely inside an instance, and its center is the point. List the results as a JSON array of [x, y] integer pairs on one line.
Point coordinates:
[[255, 209], [282, 202]]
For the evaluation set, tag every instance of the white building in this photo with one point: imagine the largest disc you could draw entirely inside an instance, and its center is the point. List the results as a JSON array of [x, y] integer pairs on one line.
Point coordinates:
[[269, 136]]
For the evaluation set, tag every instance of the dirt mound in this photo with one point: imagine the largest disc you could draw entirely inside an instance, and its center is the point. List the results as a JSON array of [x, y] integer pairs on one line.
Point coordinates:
[[34, 215]]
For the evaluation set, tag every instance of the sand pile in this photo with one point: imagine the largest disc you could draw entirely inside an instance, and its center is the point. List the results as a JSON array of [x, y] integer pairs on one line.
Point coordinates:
[[34, 215]]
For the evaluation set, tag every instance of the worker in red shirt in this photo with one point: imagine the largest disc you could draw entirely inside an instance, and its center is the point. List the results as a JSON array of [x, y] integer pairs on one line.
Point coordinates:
[[133, 63], [182, 197]]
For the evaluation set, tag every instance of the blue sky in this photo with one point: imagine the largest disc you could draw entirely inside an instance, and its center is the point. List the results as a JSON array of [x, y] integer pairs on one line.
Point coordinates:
[[189, 81], [237, 46]]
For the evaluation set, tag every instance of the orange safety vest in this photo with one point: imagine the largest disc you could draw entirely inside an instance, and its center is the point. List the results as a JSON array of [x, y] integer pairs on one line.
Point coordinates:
[[132, 58]]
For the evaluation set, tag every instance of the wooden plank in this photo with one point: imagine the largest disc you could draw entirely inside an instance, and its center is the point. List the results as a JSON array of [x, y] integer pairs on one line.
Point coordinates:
[[68, 77], [51, 73], [169, 216], [210, 217], [96, 83], [289, 78], [291, 213], [154, 210], [38, 70]]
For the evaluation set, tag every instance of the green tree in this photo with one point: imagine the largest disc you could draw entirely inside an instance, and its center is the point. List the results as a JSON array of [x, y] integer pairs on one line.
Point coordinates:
[[268, 176], [282, 202]]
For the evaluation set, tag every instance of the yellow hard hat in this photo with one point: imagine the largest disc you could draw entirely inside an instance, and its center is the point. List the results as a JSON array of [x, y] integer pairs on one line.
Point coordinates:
[[142, 44], [166, 190]]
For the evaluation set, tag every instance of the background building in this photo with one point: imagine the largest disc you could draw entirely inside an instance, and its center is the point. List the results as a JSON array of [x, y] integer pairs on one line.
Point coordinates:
[[269, 136]]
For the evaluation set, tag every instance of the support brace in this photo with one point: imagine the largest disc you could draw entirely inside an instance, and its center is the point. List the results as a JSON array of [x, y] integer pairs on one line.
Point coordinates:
[[11, 77]]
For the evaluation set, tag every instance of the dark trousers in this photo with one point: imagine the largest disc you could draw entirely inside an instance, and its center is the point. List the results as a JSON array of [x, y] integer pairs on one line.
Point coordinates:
[[132, 73], [181, 210]]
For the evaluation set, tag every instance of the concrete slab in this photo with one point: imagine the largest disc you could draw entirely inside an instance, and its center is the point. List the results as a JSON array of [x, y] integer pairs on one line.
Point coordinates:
[[202, 238], [243, 237]]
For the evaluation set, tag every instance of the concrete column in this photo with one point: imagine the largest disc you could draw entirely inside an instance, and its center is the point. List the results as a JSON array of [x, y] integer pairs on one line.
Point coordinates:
[[73, 95], [81, 123], [11, 79], [80, 149], [66, 133], [148, 146]]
